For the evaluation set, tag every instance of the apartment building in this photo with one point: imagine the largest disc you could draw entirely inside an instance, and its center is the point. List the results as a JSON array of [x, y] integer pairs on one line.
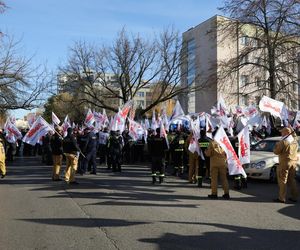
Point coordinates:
[[142, 98], [208, 53]]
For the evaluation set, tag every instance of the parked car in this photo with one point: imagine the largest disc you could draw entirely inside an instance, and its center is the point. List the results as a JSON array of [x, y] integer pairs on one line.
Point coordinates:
[[264, 162]]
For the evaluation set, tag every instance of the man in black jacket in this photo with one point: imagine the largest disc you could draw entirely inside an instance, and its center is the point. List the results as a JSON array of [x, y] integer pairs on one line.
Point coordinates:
[[157, 146], [71, 151], [56, 142]]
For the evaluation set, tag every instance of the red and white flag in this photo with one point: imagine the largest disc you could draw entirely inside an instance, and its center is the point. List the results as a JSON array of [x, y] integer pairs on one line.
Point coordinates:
[[39, 129], [268, 104], [12, 132], [55, 119], [125, 109], [134, 129], [163, 134], [244, 145], [66, 124], [89, 119], [234, 164], [118, 123], [177, 112], [221, 107]]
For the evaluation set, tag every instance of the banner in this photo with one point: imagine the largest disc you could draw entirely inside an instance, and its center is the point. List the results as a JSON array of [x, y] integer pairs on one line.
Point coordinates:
[[244, 146], [233, 162], [38, 129], [55, 119], [267, 104]]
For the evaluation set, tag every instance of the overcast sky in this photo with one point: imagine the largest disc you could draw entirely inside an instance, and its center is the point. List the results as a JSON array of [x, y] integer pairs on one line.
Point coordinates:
[[48, 27]]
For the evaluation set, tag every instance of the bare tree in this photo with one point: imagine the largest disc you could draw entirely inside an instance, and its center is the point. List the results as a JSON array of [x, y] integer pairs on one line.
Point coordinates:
[[270, 29], [21, 84], [134, 63]]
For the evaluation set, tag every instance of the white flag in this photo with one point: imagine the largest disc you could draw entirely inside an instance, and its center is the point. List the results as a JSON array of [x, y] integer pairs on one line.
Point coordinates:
[[268, 104], [154, 124], [66, 124], [134, 129], [177, 112], [163, 134], [123, 112], [296, 123], [244, 146], [37, 130], [89, 119], [234, 164], [12, 132], [55, 119]]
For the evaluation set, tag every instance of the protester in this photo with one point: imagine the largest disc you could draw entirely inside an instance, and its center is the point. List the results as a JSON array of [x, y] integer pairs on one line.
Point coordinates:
[[156, 147], [217, 169], [56, 143], [2, 155], [71, 151], [90, 151], [287, 149]]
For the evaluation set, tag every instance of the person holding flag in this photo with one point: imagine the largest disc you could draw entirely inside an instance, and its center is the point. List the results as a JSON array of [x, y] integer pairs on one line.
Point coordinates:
[[71, 151], [218, 167]]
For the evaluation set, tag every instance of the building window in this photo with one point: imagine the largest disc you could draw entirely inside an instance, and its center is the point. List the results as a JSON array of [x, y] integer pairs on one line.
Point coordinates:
[[244, 80], [257, 60], [191, 56], [245, 40], [245, 59], [140, 103], [295, 87], [258, 82], [294, 104], [140, 94], [245, 100]]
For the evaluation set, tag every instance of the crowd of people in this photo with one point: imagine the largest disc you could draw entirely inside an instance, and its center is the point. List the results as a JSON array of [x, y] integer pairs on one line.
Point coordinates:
[[81, 150]]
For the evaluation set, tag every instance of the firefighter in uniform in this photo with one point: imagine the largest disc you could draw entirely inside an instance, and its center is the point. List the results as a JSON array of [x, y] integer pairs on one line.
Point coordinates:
[[193, 160], [218, 168], [56, 142], [287, 149], [2, 156], [204, 164], [178, 151], [115, 146], [156, 147]]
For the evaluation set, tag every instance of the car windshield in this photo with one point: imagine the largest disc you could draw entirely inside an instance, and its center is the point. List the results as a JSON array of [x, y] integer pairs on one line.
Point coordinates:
[[267, 146]]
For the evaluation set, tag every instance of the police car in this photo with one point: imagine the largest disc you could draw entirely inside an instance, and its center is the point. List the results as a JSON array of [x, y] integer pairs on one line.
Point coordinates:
[[264, 162]]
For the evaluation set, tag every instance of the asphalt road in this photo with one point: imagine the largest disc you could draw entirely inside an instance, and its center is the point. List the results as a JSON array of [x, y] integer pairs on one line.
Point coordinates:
[[125, 211]]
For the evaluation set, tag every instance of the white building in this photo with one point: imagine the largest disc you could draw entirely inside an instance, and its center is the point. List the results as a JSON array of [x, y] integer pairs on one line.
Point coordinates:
[[206, 48]]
